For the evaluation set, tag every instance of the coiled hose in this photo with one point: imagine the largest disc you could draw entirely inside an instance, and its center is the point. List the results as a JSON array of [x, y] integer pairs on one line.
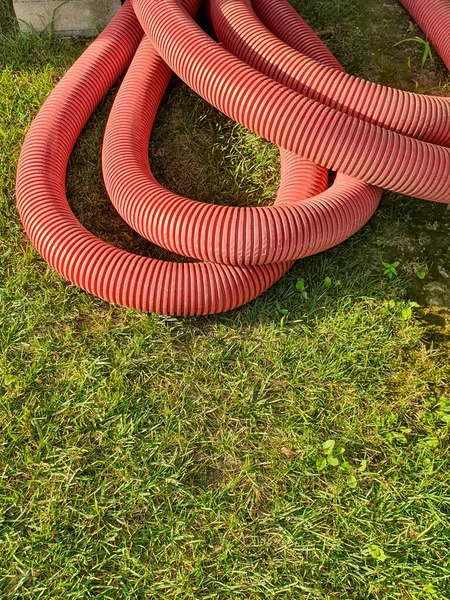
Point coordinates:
[[271, 74]]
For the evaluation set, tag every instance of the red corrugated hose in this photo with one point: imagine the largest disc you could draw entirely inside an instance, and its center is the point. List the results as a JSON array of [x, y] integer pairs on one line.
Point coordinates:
[[269, 72]]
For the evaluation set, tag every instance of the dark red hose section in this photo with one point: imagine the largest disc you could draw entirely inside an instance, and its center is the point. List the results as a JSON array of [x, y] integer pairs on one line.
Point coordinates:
[[272, 75], [289, 230]]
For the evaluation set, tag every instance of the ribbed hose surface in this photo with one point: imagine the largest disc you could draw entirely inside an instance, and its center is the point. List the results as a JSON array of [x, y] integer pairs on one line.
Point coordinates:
[[288, 230], [295, 122], [272, 75]]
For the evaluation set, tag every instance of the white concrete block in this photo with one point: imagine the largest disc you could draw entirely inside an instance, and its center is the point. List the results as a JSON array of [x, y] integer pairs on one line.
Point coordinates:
[[70, 18]]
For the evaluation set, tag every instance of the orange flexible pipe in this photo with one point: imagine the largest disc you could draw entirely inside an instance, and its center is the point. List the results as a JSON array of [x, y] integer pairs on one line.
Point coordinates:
[[271, 74]]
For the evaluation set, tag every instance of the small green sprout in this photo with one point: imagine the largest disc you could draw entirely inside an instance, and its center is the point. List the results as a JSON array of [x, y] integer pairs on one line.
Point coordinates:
[[427, 54]]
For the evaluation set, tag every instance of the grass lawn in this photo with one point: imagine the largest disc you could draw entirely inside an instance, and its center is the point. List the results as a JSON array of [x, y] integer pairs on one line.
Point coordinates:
[[296, 448]]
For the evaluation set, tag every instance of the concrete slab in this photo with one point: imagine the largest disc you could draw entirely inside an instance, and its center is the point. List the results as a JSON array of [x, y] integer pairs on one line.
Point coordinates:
[[70, 18]]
